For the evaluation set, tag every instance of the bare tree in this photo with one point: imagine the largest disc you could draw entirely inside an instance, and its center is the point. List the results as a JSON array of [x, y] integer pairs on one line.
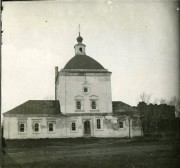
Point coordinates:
[[144, 97], [175, 101], [144, 112], [133, 118], [156, 101], [162, 101]]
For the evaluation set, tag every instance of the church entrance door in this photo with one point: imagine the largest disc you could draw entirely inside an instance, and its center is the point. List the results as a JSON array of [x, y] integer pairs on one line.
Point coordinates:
[[87, 127]]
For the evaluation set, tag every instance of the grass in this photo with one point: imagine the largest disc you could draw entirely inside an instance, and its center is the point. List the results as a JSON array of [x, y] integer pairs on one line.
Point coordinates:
[[92, 153]]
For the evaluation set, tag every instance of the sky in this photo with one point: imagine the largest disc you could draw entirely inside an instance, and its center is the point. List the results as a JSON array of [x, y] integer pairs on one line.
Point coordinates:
[[137, 41]]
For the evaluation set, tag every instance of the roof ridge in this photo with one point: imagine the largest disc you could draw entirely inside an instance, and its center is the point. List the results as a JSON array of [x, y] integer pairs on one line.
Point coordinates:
[[36, 107]]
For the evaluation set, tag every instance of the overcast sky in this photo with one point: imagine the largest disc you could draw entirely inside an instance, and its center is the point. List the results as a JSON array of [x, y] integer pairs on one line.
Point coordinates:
[[137, 41]]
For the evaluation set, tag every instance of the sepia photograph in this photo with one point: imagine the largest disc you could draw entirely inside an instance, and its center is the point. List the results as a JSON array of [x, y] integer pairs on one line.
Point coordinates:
[[90, 83]]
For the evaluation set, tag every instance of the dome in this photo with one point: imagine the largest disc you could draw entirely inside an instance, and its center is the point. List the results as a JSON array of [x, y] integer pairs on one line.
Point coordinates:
[[79, 39], [83, 62]]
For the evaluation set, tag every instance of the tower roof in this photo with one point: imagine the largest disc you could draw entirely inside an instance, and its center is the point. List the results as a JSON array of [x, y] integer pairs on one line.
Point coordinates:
[[83, 62]]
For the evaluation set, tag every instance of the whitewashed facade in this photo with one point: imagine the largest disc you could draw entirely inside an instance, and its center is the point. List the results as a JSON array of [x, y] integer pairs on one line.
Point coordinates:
[[82, 107]]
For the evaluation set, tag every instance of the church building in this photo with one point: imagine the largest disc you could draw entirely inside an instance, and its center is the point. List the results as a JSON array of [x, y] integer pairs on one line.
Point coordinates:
[[83, 106]]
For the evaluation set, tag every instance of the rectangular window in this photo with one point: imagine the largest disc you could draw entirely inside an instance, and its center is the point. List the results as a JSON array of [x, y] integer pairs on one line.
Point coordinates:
[[93, 104], [98, 123], [22, 128], [120, 124], [78, 104], [73, 126]]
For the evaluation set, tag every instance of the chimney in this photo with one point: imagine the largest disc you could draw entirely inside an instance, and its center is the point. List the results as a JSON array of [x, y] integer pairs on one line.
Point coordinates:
[[56, 72]]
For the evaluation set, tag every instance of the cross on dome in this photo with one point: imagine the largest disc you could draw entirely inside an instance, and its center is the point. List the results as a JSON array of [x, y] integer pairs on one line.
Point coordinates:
[[79, 38]]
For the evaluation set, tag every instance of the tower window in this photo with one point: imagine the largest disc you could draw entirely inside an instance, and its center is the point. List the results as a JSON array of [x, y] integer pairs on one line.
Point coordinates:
[[78, 104], [86, 90], [80, 49], [93, 104]]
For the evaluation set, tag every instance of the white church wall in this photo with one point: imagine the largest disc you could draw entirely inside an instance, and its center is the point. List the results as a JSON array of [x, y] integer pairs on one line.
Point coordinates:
[[60, 91], [11, 129], [63, 127], [69, 87]]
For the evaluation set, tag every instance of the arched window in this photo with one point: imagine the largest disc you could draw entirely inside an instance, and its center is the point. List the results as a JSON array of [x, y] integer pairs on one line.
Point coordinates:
[[80, 49], [36, 127], [78, 104], [51, 128], [93, 104]]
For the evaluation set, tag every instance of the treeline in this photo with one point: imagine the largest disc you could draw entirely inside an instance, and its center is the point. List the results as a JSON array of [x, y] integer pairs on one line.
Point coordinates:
[[157, 119]]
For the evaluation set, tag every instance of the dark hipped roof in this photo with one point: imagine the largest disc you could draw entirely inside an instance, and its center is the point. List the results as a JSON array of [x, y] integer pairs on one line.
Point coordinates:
[[51, 107], [122, 108], [83, 62]]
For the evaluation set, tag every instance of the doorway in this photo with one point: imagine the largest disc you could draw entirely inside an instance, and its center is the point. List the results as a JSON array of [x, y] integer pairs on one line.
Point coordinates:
[[87, 127]]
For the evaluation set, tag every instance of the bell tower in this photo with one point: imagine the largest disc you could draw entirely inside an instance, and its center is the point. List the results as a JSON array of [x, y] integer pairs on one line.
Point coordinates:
[[80, 47], [83, 85]]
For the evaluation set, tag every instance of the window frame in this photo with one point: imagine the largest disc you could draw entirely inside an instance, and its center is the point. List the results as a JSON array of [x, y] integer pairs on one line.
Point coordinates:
[[98, 123], [83, 90], [94, 98], [54, 126], [78, 101], [81, 100], [39, 126], [36, 126], [25, 127], [101, 124], [71, 126], [120, 126], [93, 105]]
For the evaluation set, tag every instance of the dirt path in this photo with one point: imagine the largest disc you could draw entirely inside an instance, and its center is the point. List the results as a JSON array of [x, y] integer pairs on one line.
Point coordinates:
[[105, 153]]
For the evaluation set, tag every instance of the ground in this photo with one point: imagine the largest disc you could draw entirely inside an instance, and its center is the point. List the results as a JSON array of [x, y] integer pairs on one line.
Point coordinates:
[[92, 153]]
